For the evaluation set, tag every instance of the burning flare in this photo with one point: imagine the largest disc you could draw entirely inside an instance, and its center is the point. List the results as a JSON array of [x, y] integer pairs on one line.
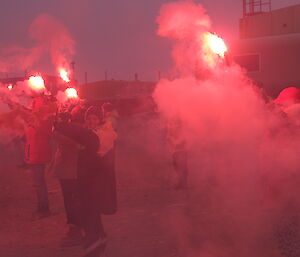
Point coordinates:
[[71, 93], [216, 44], [213, 49], [64, 75], [36, 83]]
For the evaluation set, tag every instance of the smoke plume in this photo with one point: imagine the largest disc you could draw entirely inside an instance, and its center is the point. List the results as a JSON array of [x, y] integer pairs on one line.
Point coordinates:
[[54, 38], [51, 38], [243, 151]]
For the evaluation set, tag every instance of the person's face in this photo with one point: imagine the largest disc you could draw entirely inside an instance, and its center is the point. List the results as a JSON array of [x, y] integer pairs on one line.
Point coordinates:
[[92, 121]]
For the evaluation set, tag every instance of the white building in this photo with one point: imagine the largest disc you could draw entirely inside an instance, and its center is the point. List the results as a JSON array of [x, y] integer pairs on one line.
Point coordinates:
[[269, 48]]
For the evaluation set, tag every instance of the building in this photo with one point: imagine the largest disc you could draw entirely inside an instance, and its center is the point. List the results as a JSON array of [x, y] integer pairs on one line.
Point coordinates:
[[129, 97], [269, 47]]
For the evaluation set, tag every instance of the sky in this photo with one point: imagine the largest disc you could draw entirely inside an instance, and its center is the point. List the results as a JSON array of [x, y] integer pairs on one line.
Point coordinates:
[[118, 36]]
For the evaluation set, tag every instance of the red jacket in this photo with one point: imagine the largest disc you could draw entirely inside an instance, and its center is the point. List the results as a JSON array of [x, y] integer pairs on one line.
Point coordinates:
[[38, 149]]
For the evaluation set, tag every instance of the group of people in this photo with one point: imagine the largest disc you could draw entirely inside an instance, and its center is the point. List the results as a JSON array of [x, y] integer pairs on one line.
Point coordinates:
[[78, 145]]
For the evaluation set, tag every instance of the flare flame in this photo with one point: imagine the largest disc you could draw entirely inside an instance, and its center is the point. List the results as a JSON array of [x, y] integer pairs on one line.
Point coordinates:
[[64, 75], [36, 83]]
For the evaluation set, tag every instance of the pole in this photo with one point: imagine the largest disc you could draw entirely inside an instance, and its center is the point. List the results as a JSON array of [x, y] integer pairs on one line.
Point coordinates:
[[251, 7], [73, 69], [86, 77], [244, 8]]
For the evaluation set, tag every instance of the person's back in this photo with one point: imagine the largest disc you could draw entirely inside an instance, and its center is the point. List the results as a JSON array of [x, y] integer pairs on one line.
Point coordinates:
[[38, 149]]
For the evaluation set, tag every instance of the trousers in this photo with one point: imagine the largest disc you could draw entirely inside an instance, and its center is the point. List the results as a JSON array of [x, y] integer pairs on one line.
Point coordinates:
[[70, 193], [40, 185]]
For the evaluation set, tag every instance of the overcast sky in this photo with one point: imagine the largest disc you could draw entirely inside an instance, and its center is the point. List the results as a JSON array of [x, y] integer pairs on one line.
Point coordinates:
[[114, 35]]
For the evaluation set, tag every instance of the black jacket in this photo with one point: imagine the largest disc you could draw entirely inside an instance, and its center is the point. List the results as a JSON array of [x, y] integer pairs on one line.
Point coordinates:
[[95, 178]]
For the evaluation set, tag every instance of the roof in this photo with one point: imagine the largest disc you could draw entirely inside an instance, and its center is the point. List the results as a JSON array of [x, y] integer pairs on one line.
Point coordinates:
[[116, 89]]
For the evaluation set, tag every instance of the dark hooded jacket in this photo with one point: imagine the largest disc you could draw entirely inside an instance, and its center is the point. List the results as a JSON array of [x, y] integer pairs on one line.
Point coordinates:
[[92, 178]]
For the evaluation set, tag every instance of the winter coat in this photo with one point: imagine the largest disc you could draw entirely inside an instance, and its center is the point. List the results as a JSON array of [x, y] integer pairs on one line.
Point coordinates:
[[107, 136], [107, 179], [38, 148], [95, 183], [66, 157]]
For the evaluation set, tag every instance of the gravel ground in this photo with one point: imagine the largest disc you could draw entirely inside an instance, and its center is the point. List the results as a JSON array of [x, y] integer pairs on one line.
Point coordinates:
[[153, 220]]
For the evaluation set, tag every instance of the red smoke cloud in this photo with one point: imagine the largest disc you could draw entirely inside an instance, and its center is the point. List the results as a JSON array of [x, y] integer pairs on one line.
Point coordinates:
[[51, 38], [243, 150], [180, 20], [54, 39], [187, 24]]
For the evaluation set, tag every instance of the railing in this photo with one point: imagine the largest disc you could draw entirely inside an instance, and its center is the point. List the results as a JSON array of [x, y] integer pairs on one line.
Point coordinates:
[[253, 7]]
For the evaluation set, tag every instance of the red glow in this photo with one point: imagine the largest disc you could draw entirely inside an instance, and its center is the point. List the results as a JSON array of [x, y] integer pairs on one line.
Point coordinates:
[[64, 75], [216, 44], [71, 93], [36, 83], [214, 48], [288, 96]]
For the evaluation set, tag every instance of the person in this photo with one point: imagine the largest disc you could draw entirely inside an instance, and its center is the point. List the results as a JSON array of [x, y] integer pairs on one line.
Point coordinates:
[[65, 168], [38, 149], [87, 169], [110, 114], [177, 146], [93, 196], [107, 135], [78, 111]]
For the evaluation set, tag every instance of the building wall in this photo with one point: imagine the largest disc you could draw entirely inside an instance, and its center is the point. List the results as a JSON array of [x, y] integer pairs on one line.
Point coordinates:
[[112, 89], [272, 41], [278, 57], [277, 22]]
